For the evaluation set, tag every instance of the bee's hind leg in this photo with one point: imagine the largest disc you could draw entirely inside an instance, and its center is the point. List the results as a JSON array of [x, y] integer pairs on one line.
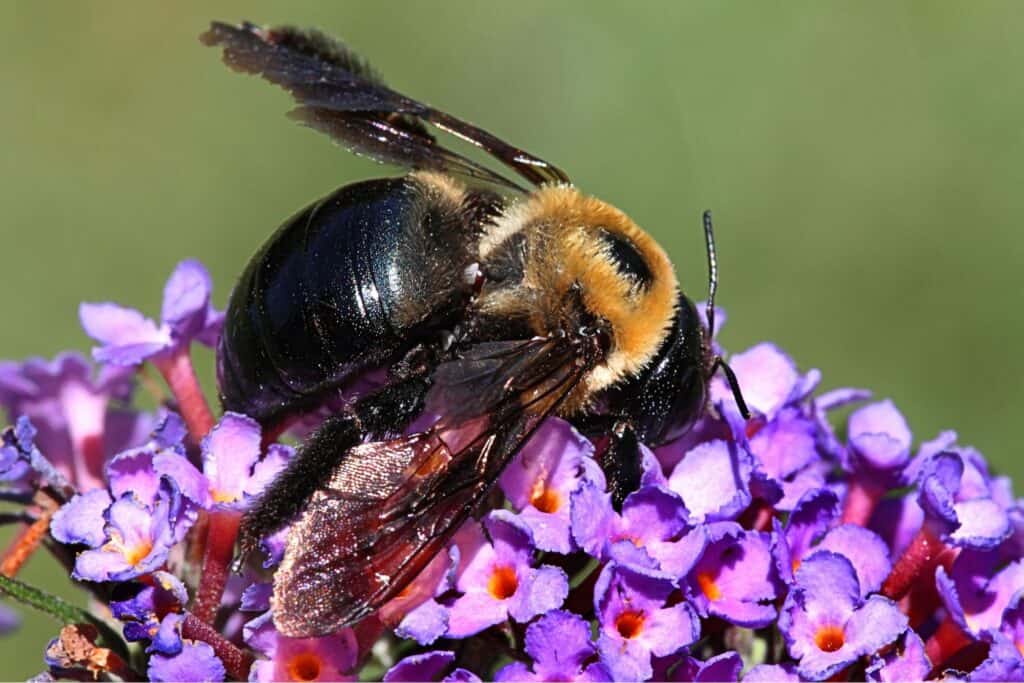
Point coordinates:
[[388, 410]]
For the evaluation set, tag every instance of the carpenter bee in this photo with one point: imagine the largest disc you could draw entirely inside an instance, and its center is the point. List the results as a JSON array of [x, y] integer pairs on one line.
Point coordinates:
[[489, 305]]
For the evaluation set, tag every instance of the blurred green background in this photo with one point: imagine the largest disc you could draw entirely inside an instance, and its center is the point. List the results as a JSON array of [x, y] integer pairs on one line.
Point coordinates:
[[864, 162]]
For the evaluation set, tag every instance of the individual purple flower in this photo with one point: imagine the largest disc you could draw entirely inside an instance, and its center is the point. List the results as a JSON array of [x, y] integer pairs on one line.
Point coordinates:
[[543, 476], [559, 644], [635, 623], [330, 658], [879, 443], [233, 470], [975, 594], [865, 550], [76, 412], [126, 538], [735, 578], [498, 581], [128, 338], [957, 500], [429, 666], [154, 613], [827, 623], [648, 532], [810, 518], [195, 662], [787, 450], [906, 663], [133, 472]]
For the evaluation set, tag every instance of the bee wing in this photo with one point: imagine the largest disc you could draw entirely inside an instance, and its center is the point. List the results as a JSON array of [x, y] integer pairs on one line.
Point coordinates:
[[390, 506], [339, 94]]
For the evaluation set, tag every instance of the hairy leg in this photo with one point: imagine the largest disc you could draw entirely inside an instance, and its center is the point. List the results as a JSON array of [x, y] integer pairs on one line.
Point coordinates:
[[387, 410]]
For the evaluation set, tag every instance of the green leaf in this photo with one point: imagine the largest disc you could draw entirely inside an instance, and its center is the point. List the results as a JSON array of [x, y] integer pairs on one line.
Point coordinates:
[[60, 610]]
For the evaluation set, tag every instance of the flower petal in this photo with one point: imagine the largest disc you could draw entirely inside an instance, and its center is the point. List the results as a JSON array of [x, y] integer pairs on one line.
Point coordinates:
[[187, 298], [81, 519], [230, 451], [196, 662], [545, 590], [127, 337], [722, 472], [865, 550]]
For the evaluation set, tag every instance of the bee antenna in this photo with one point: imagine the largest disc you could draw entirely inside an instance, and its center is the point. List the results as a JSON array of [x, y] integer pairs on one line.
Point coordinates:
[[718, 363], [709, 239]]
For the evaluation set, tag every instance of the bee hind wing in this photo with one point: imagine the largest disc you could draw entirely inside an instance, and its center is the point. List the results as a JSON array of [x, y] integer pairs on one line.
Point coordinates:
[[341, 95]]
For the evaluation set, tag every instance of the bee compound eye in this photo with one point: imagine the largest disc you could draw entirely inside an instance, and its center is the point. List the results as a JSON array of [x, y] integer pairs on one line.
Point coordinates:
[[599, 335]]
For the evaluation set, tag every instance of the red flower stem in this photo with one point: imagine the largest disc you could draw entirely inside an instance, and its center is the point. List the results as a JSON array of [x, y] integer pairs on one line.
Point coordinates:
[[919, 560], [921, 601], [947, 641], [181, 378], [861, 499], [236, 661], [24, 545], [220, 549]]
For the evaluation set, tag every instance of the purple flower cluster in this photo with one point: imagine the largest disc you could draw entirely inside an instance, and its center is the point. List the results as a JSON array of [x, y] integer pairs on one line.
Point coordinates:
[[775, 548]]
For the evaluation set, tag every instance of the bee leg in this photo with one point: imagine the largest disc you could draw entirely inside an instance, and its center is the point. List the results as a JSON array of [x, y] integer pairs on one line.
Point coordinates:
[[618, 452], [386, 410], [622, 463]]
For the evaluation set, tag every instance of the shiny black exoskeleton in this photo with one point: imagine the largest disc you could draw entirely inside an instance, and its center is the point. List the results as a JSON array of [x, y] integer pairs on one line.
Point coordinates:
[[353, 281]]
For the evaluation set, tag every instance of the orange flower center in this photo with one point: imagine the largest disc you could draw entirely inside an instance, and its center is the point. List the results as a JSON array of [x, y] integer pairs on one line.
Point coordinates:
[[223, 496], [796, 564], [545, 499], [829, 638], [304, 666], [708, 586], [138, 553], [630, 623], [503, 583]]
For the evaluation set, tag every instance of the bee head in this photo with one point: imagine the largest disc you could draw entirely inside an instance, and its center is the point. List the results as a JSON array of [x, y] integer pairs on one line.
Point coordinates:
[[565, 261]]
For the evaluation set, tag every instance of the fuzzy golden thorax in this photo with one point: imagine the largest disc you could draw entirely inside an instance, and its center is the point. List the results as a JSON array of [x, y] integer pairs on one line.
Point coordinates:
[[561, 238]]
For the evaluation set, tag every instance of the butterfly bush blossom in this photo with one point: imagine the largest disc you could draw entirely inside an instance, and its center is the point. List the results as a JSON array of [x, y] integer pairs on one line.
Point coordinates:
[[795, 545]]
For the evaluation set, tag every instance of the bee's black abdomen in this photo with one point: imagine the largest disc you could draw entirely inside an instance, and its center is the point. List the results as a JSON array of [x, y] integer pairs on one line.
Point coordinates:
[[351, 281]]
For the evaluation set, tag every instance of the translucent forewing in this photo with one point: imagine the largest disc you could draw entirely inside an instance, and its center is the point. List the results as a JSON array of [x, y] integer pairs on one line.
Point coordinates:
[[390, 506]]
